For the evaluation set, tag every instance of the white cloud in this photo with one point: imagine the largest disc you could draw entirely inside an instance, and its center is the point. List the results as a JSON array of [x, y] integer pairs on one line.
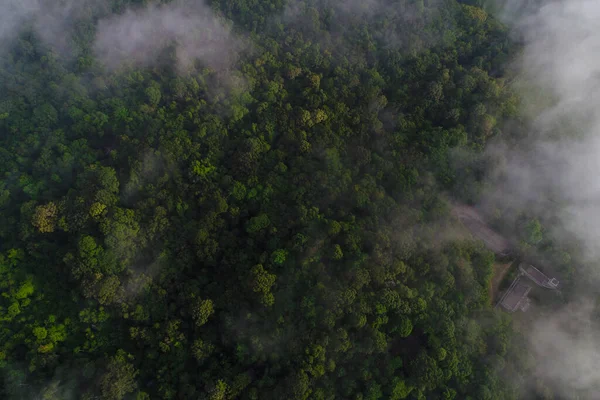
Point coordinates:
[[138, 36]]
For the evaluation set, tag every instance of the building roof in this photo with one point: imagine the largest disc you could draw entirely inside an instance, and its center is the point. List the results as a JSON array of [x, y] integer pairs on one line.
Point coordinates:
[[515, 295], [538, 277], [536, 274], [525, 304]]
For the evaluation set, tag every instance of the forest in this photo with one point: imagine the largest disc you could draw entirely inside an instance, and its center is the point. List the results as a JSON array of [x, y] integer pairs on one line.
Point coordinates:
[[254, 203]]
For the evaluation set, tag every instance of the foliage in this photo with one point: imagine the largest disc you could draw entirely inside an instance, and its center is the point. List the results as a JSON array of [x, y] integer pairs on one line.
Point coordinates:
[[172, 235]]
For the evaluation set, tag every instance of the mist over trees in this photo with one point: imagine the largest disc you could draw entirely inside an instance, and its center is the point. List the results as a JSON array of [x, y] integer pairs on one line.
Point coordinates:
[[247, 200]]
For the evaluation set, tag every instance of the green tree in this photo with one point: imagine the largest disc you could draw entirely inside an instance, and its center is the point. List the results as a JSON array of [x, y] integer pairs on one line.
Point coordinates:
[[119, 378], [261, 282], [45, 217], [202, 310], [257, 223]]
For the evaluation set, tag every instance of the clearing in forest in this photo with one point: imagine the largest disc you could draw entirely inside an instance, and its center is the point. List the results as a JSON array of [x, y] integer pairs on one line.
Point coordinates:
[[475, 223]]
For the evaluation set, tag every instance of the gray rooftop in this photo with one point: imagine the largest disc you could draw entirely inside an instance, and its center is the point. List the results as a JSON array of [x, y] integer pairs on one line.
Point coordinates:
[[536, 274], [515, 296]]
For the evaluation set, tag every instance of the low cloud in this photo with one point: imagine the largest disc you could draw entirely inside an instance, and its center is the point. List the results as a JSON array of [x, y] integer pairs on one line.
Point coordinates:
[[139, 36], [52, 21], [567, 352], [14, 14], [558, 158], [551, 169]]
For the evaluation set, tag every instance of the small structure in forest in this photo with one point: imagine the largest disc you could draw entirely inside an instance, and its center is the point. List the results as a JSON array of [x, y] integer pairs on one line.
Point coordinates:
[[538, 277], [516, 296]]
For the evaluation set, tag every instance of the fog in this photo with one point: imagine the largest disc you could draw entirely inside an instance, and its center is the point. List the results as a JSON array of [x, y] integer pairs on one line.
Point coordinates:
[[53, 21], [14, 14], [558, 158], [556, 163], [552, 170], [136, 37], [565, 345], [140, 35]]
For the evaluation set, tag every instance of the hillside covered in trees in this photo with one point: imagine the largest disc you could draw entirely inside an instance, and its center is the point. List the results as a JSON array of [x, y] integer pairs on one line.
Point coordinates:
[[248, 204]]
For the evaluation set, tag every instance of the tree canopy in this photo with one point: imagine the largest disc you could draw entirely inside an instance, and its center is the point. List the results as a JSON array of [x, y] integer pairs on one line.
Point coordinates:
[[269, 230]]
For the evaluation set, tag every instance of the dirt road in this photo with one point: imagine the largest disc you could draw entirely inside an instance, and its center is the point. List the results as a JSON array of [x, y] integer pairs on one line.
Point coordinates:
[[473, 221]]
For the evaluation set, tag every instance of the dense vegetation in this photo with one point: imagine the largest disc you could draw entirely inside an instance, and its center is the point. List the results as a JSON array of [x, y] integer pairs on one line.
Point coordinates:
[[183, 235]]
